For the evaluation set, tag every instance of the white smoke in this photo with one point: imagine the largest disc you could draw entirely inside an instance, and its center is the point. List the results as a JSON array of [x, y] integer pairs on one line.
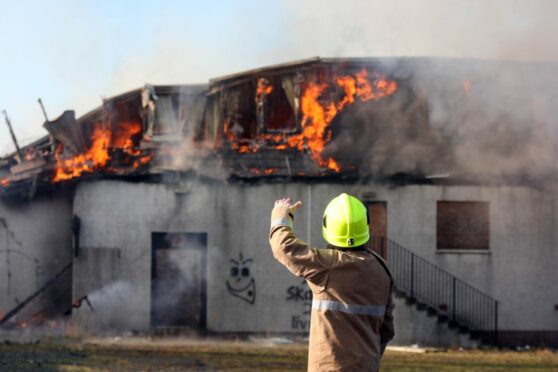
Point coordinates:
[[492, 29]]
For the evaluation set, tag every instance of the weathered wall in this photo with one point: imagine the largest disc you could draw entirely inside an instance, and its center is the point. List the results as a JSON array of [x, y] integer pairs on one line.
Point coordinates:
[[118, 217], [518, 268], [121, 216], [35, 244]]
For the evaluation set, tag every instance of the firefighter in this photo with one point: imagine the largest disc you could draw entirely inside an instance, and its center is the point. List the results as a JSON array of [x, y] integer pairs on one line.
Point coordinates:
[[351, 321]]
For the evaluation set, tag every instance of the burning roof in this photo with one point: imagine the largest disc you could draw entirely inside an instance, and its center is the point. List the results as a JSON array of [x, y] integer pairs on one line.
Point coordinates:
[[311, 118], [120, 138]]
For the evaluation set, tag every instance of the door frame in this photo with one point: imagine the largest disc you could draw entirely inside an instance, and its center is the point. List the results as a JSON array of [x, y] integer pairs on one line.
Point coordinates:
[[384, 242], [160, 237]]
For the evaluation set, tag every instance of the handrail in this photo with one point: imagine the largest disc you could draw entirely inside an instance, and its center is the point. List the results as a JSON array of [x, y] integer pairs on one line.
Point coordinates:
[[25, 302], [440, 290]]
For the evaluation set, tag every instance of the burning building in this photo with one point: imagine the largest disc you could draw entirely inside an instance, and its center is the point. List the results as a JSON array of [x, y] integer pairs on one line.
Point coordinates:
[[154, 207]]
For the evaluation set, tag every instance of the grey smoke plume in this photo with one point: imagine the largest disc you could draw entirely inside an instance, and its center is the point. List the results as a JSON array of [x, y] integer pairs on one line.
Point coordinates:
[[463, 117], [505, 125]]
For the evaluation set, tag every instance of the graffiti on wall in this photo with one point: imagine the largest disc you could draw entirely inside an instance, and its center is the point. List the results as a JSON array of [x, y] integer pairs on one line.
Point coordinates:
[[241, 284], [302, 295], [14, 268]]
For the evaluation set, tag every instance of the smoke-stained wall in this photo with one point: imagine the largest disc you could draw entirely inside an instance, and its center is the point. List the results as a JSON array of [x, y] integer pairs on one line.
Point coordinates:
[[248, 291], [35, 245]]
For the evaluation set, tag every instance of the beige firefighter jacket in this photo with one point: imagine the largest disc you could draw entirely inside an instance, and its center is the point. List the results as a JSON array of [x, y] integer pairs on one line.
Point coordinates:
[[351, 319]]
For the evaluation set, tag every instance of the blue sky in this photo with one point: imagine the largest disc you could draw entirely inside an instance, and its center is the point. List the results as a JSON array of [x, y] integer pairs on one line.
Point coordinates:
[[73, 53]]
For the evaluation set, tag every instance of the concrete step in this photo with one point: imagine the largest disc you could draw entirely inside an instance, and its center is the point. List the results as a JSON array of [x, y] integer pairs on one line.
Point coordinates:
[[430, 311], [414, 326], [453, 324], [410, 300]]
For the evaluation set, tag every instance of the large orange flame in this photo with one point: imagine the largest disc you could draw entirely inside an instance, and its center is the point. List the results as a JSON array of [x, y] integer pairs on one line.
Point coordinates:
[[95, 157], [98, 155], [317, 114]]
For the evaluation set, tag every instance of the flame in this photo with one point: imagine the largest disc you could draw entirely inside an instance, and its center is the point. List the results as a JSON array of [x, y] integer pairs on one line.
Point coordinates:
[[263, 89], [317, 113], [95, 157], [317, 116], [267, 171], [144, 160], [333, 165], [4, 182], [123, 137], [98, 155]]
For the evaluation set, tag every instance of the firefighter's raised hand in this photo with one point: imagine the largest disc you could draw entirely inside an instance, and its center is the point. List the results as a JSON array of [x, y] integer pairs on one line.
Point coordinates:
[[287, 202]]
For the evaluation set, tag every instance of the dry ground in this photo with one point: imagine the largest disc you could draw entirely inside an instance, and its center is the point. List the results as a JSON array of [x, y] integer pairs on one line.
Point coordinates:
[[144, 354]]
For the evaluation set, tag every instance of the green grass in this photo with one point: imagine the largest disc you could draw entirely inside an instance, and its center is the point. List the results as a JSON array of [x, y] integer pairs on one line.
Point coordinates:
[[472, 360], [179, 355]]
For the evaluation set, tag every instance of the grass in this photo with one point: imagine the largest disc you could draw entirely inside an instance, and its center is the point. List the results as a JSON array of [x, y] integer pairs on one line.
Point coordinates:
[[180, 355], [472, 360]]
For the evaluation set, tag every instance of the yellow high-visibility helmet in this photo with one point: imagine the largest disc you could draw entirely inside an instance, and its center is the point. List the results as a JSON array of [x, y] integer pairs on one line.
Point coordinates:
[[345, 222]]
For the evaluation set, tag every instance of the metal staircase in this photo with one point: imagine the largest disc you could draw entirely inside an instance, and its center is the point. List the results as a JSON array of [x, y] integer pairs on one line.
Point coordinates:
[[441, 294]]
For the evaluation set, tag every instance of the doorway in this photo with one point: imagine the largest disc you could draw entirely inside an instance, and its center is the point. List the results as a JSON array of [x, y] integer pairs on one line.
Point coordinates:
[[377, 214], [178, 280]]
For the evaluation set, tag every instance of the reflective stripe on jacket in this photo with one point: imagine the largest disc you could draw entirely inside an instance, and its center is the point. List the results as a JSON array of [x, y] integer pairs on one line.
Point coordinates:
[[352, 304]]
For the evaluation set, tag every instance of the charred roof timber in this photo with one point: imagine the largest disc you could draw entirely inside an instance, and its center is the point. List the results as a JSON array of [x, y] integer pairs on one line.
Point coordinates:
[[315, 118]]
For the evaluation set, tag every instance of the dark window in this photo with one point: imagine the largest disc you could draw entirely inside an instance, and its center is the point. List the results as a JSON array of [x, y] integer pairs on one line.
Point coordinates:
[[462, 225], [280, 109], [240, 109]]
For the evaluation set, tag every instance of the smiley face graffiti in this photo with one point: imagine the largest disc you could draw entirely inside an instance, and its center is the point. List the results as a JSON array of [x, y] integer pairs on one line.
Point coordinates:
[[241, 284]]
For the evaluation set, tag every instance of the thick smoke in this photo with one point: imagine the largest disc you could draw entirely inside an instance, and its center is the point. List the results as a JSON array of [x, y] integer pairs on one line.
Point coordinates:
[[492, 119], [460, 117]]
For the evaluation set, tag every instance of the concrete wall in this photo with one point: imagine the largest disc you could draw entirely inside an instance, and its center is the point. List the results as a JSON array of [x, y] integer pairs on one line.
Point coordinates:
[[35, 244], [121, 216]]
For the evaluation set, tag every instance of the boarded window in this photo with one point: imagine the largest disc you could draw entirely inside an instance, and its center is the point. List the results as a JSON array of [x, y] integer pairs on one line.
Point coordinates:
[[462, 225]]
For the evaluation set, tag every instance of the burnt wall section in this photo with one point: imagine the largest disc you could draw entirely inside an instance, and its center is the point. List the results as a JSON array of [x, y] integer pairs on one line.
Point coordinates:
[[248, 291], [35, 245]]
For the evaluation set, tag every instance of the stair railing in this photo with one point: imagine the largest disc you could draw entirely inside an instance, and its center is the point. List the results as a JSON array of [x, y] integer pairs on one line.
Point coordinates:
[[441, 292]]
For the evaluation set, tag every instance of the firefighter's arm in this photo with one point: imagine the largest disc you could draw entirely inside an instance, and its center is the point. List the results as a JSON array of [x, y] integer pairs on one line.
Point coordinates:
[[295, 254], [386, 329]]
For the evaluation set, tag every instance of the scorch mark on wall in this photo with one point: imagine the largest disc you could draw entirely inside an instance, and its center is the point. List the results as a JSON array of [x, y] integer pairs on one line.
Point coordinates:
[[241, 284]]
